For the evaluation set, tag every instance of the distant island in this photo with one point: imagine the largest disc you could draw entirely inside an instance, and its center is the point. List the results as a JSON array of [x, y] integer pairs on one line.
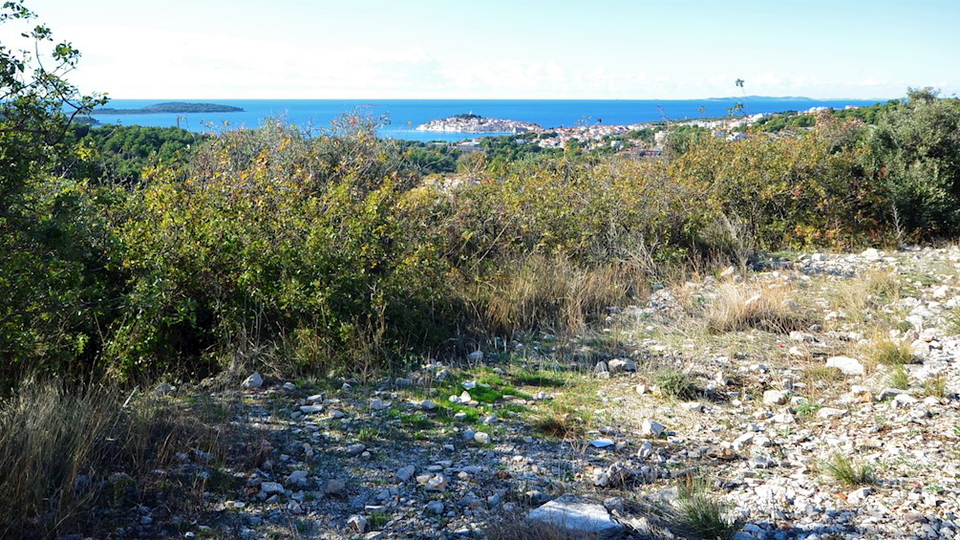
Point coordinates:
[[172, 107], [472, 123]]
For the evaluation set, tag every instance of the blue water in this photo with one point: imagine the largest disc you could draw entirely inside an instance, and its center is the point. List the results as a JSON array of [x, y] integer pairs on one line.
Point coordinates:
[[406, 114]]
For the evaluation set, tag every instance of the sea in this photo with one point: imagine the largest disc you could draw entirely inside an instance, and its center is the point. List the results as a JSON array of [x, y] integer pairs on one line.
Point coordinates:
[[400, 117]]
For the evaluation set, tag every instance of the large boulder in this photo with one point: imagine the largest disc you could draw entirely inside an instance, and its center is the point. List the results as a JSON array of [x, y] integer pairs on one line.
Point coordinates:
[[573, 514]]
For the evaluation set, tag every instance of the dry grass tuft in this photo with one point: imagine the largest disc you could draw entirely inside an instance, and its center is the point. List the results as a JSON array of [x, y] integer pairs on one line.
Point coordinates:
[[746, 306], [889, 352], [701, 513], [559, 425], [898, 378], [860, 299], [59, 451], [551, 293], [935, 387]]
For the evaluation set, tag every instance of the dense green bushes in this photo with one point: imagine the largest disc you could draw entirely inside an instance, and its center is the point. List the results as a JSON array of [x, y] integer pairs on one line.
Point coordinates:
[[915, 152], [273, 247], [329, 252]]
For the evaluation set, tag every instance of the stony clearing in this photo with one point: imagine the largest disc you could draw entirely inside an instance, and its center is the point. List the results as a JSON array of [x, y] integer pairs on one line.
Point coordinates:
[[812, 397]]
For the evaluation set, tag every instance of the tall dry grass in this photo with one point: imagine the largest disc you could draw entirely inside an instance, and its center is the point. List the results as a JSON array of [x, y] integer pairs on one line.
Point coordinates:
[[550, 293], [59, 448], [743, 306]]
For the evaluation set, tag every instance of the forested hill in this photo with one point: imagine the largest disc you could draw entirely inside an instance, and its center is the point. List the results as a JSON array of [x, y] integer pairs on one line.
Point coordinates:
[[172, 107]]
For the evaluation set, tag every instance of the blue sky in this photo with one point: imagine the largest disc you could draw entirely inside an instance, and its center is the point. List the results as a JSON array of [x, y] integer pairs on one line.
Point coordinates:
[[507, 49]]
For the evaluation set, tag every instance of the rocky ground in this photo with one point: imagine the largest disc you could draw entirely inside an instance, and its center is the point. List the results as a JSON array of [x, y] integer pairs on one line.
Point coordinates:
[[608, 429]]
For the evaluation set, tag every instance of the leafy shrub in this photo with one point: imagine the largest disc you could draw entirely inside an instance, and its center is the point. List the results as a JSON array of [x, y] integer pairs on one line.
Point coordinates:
[[785, 192], [675, 383], [256, 251]]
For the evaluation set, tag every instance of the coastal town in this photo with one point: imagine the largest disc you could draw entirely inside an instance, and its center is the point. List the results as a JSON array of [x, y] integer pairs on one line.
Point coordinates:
[[596, 135], [472, 123]]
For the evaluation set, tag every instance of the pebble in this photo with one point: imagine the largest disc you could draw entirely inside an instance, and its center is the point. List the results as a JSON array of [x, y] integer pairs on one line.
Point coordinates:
[[255, 380]]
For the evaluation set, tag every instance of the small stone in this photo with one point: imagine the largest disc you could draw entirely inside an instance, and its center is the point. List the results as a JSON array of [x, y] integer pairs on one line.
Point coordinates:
[[475, 356], [357, 523], [481, 437], [460, 416], [859, 495], [601, 443], [311, 409], [641, 389], [830, 412], [406, 473], [377, 404], [761, 462], [775, 397], [270, 488], [618, 364], [355, 449], [289, 386], [297, 478], [784, 418], [742, 441], [653, 428], [847, 365], [428, 405], [334, 486], [904, 399], [255, 380], [434, 507], [645, 451], [436, 483]]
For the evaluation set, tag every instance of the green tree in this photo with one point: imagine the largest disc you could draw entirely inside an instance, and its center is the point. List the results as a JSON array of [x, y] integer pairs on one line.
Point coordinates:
[[50, 246], [915, 151]]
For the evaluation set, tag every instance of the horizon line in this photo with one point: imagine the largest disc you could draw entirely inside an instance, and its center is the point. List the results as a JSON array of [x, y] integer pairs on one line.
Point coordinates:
[[793, 98]]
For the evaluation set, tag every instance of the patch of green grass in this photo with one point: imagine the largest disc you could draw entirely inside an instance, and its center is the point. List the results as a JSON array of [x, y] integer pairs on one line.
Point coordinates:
[[378, 520], [898, 378], [515, 393], [536, 378], [891, 353], [848, 472], [807, 408], [953, 322], [492, 380], [473, 413], [675, 383], [485, 394], [416, 420], [515, 407]]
